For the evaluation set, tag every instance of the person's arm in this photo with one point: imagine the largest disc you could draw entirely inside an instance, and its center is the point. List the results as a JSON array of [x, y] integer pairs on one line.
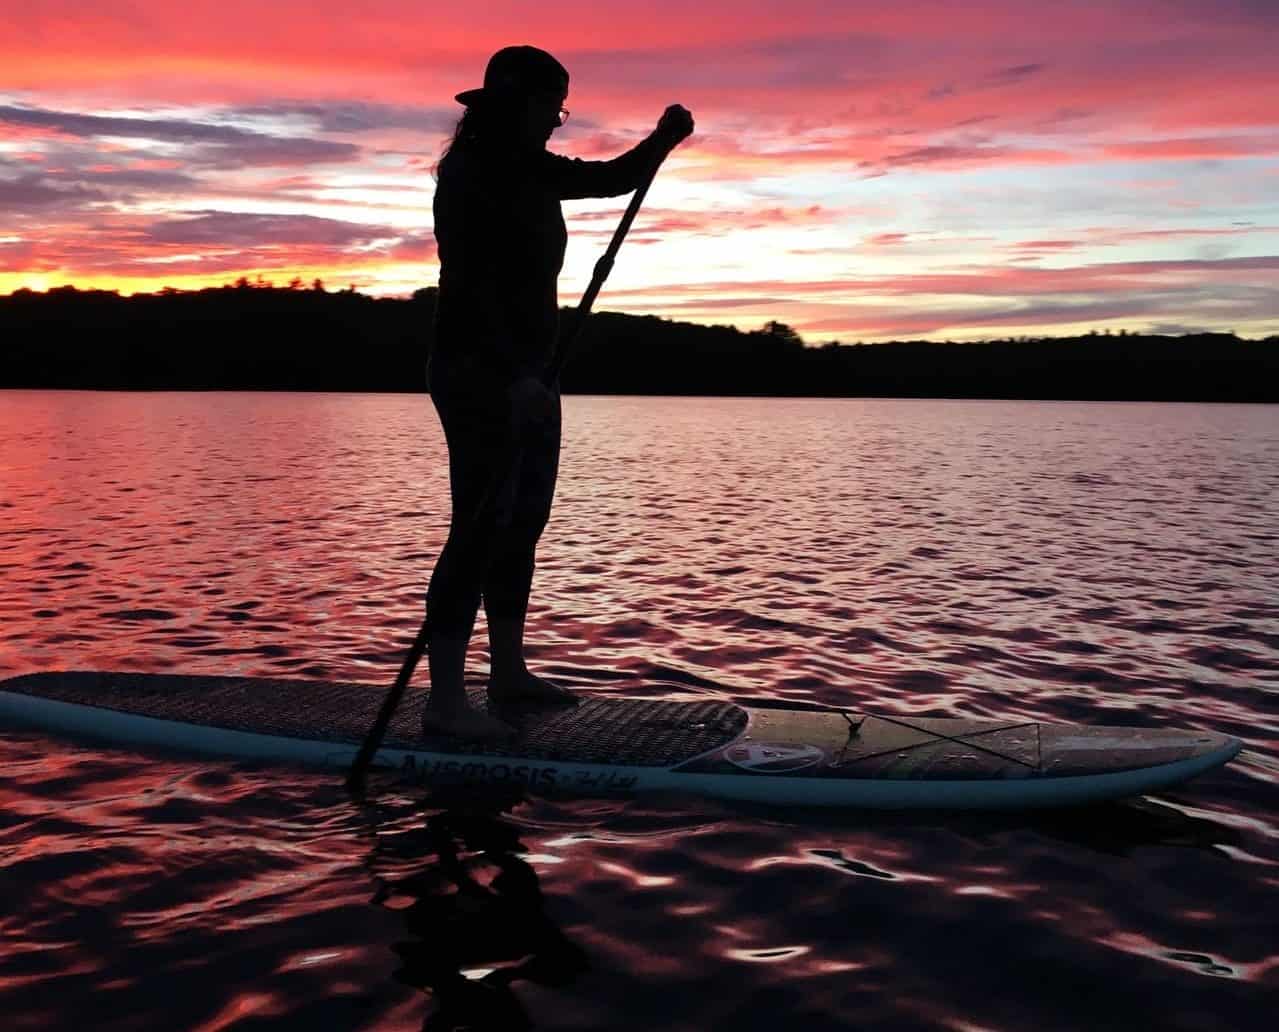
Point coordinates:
[[575, 177]]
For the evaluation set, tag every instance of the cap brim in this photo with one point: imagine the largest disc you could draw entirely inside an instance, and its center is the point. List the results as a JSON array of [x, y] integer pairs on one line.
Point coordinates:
[[469, 96]]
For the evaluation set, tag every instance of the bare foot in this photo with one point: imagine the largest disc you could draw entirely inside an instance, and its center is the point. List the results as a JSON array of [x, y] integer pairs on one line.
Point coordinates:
[[527, 687], [466, 723]]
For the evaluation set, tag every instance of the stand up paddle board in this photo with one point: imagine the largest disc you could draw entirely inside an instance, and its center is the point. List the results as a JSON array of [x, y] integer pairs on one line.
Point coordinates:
[[610, 745]]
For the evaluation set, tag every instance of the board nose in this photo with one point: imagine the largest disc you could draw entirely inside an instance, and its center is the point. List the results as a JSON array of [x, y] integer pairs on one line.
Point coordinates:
[[1208, 743]]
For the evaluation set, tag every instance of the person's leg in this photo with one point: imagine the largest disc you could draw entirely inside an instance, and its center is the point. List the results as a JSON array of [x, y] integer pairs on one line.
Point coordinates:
[[509, 577], [479, 452]]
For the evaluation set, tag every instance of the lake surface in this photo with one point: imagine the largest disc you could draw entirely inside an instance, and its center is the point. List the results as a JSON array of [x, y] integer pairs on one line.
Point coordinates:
[[1093, 562]]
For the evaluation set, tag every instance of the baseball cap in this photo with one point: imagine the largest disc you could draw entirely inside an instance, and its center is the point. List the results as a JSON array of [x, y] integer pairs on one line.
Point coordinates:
[[517, 71]]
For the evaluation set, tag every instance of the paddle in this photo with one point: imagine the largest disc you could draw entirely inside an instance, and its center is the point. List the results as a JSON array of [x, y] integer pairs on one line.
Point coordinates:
[[355, 778]]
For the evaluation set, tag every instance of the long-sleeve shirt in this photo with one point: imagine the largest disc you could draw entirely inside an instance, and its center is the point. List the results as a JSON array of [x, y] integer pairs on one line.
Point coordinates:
[[501, 238]]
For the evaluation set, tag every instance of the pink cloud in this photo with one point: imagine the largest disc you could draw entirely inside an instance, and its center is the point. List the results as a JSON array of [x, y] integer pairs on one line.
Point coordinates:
[[295, 93]]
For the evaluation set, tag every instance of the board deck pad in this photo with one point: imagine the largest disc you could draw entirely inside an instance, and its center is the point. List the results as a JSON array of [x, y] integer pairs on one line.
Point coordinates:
[[764, 751], [622, 732]]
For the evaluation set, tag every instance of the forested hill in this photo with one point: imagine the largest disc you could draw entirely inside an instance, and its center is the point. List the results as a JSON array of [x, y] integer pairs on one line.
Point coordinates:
[[266, 338]]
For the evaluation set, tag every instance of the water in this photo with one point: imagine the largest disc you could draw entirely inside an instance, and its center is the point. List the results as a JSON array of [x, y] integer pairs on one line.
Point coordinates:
[[1107, 563]]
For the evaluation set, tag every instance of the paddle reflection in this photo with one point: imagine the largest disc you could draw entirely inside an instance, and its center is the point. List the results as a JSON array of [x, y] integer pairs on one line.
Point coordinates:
[[473, 909]]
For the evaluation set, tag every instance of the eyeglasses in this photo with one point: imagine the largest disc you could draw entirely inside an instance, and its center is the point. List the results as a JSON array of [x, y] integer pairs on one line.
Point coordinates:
[[538, 100]]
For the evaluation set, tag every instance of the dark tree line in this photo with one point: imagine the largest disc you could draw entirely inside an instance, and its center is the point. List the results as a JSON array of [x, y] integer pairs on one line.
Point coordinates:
[[250, 336]]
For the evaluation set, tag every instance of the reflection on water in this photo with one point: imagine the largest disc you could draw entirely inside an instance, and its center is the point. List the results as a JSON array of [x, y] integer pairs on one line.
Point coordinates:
[[1055, 561], [475, 914]]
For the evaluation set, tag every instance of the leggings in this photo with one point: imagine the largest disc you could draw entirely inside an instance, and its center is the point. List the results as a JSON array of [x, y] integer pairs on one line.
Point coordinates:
[[502, 484]]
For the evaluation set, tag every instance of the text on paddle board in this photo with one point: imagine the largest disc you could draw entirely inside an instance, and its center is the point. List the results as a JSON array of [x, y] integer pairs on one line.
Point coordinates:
[[533, 776]]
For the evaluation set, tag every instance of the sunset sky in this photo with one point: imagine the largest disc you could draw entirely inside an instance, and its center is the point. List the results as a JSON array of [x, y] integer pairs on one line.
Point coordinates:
[[860, 171]]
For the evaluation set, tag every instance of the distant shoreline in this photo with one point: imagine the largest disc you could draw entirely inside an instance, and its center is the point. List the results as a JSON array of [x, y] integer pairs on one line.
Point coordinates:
[[619, 394], [263, 338]]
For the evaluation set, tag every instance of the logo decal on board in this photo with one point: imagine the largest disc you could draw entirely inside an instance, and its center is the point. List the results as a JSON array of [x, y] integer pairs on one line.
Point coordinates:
[[773, 759]]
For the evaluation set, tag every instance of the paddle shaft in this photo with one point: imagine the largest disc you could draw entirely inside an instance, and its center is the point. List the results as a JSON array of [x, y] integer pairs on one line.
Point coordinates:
[[602, 268], [373, 740]]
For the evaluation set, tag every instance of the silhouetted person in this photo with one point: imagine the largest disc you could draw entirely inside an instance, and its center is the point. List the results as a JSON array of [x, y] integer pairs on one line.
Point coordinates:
[[501, 240]]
